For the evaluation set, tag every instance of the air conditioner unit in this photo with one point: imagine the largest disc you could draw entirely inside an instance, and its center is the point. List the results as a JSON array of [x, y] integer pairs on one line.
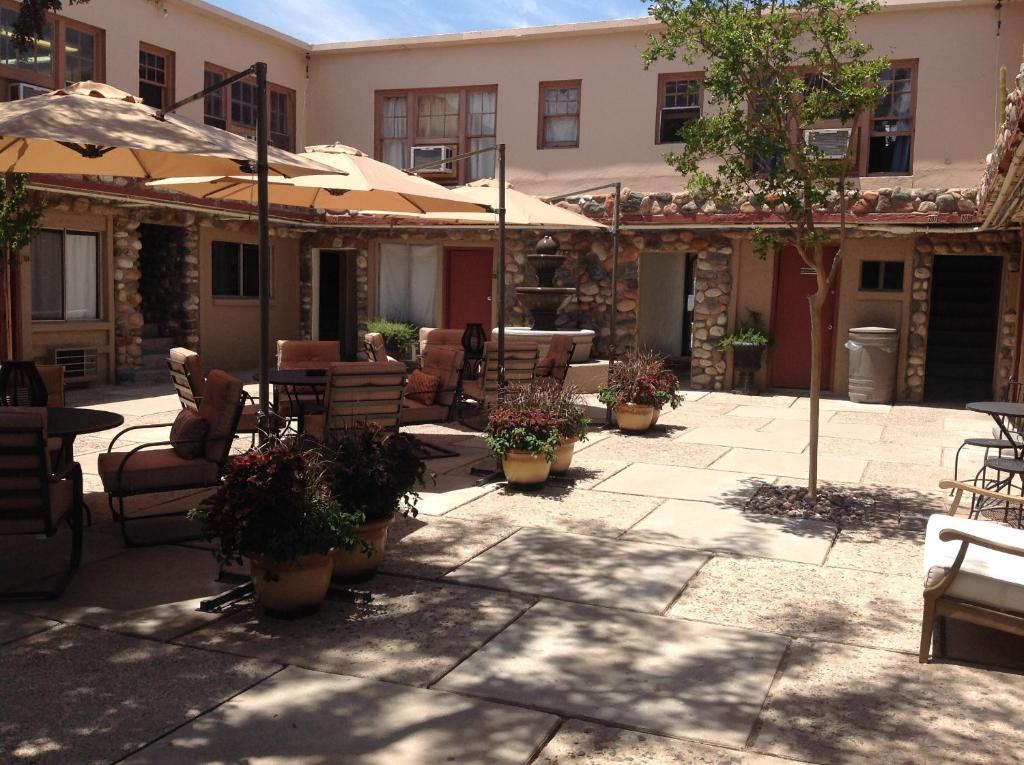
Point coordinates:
[[432, 155], [20, 90], [79, 363], [833, 143]]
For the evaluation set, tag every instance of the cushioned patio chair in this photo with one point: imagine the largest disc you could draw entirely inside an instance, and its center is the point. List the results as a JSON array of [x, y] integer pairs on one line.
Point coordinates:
[[53, 378], [434, 336], [193, 458], [186, 369], [359, 392], [303, 354], [434, 404], [555, 363], [373, 342], [521, 358], [973, 569], [33, 499]]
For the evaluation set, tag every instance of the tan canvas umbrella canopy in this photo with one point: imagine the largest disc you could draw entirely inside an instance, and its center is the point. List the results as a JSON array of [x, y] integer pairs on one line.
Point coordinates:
[[94, 129], [358, 183]]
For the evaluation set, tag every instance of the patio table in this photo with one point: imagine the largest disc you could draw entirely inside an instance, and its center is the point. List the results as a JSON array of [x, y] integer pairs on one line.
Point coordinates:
[[1002, 412], [67, 423], [296, 382]]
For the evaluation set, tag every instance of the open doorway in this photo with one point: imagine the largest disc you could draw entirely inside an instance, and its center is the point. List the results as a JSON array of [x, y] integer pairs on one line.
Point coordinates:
[[666, 303], [335, 316]]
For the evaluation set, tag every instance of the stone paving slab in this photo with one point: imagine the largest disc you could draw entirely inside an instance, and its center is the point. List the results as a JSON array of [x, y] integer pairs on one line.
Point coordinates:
[[688, 419], [466, 456], [584, 743], [780, 413], [16, 626], [747, 439], [89, 697], [670, 482], [905, 475], [430, 547], [621, 574], [412, 632], [28, 560], [560, 507], [585, 472], [151, 592], [861, 607], [707, 526], [657, 449], [883, 549], [828, 428], [309, 718], [447, 492], [842, 405], [921, 453], [775, 400], [661, 675], [843, 704], [830, 467]]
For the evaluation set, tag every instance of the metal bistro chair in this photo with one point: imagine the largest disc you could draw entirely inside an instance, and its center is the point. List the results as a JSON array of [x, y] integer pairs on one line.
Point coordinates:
[[997, 441], [33, 500]]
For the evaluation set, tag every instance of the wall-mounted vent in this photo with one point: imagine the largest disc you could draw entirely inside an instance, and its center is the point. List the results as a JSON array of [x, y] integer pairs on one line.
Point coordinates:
[[831, 142], [79, 363]]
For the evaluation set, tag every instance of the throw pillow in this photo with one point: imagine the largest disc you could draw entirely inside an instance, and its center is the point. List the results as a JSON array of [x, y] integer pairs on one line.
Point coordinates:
[[422, 387], [188, 426]]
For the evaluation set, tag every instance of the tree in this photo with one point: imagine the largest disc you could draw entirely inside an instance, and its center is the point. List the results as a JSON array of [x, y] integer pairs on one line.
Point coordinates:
[[28, 26], [20, 212], [773, 68]]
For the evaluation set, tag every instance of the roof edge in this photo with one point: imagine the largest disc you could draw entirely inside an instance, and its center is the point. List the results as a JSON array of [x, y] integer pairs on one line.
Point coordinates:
[[222, 14]]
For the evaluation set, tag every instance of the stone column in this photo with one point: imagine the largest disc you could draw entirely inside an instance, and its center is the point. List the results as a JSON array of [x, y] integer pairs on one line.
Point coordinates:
[[917, 338], [710, 314], [128, 317]]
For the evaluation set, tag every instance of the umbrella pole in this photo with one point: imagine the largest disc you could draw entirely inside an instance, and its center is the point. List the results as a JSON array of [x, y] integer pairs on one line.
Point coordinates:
[[263, 200], [501, 265], [612, 324]]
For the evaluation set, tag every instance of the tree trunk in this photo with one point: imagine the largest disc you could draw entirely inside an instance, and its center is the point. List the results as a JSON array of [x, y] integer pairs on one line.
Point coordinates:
[[815, 303], [6, 315]]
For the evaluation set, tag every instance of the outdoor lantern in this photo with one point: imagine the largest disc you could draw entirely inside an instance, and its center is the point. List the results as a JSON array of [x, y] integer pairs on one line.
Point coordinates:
[[21, 384], [473, 340]]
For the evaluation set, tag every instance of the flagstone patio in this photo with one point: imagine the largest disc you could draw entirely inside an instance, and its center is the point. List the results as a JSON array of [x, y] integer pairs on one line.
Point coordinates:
[[637, 615]]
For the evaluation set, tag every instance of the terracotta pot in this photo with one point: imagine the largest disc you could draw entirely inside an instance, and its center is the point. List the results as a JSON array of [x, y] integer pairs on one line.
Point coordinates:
[[525, 469], [291, 588], [563, 456], [634, 417], [657, 413], [356, 564]]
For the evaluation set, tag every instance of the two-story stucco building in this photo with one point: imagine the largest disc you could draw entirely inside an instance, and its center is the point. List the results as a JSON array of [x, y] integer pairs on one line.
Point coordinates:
[[575, 108]]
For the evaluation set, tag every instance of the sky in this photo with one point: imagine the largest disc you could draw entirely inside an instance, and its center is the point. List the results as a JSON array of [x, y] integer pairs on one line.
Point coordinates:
[[319, 21]]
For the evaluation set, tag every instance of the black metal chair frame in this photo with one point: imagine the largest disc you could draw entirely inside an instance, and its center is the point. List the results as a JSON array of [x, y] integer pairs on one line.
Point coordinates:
[[118, 514], [72, 472]]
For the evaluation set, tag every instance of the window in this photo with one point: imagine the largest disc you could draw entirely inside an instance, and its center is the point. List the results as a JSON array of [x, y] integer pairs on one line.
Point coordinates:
[[67, 52], [462, 119], [236, 108], [891, 126], [236, 269], [65, 276], [679, 102], [559, 115], [881, 275], [156, 76], [407, 287]]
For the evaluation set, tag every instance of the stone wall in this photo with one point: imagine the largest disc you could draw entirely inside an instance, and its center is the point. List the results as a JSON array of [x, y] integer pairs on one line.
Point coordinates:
[[128, 318]]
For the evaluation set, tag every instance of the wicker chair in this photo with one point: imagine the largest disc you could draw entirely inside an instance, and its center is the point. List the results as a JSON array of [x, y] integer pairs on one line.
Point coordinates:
[[359, 392], [33, 499]]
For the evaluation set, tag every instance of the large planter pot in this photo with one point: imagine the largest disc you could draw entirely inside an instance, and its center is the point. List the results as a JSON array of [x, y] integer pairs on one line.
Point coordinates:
[[291, 589], [355, 564], [563, 456], [525, 469], [657, 414], [746, 359], [635, 418]]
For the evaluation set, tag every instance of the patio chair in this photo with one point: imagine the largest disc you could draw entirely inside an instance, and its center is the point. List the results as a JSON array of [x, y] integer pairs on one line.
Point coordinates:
[[974, 571], [21, 384], [445, 363], [432, 336], [34, 500], [520, 367], [53, 378], [183, 462], [359, 392], [303, 354], [555, 363], [998, 442], [373, 342], [186, 369]]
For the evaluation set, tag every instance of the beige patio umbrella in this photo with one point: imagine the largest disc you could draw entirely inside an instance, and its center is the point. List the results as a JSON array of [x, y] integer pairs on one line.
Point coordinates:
[[90, 128], [357, 183]]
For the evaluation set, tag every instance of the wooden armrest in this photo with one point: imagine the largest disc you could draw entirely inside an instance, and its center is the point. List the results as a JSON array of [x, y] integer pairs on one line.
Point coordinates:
[[955, 535], [960, 487]]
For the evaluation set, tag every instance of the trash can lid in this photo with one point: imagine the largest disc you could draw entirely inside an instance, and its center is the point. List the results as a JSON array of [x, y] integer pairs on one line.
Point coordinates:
[[874, 330]]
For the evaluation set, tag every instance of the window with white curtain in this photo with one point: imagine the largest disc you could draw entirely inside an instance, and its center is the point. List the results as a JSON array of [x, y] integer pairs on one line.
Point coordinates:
[[65, 276], [394, 131], [407, 287], [481, 131], [559, 115]]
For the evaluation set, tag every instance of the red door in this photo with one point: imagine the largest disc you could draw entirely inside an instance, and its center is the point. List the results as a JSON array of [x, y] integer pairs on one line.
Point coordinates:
[[790, 365], [467, 287]]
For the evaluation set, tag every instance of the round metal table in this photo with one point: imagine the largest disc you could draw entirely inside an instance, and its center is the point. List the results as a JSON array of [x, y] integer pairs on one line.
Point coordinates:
[[299, 385], [1002, 412], [67, 422]]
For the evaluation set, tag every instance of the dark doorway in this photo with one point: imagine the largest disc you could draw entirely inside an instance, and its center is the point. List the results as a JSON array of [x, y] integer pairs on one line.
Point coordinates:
[[962, 327], [337, 318], [666, 307]]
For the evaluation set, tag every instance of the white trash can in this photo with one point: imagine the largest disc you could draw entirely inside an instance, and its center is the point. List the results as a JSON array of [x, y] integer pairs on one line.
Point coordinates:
[[873, 363]]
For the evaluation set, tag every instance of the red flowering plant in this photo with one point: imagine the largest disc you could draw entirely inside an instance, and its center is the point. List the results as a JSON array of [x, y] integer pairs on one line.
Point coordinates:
[[635, 379], [275, 502], [522, 420], [668, 388]]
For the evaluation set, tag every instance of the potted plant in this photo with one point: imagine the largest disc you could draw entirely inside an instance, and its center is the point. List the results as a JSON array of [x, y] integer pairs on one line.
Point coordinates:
[[274, 509], [632, 391], [401, 339], [374, 473], [748, 343], [667, 389], [567, 410], [522, 433]]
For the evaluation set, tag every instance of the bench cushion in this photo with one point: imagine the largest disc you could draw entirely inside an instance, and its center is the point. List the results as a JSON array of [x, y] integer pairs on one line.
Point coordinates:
[[987, 577], [155, 470]]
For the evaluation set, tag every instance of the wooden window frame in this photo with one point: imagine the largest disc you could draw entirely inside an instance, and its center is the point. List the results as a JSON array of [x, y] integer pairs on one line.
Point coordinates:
[[63, 259], [245, 130], [882, 266], [541, 98], [866, 120], [660, 103], [56, 78], [460, 142], [170, 70]]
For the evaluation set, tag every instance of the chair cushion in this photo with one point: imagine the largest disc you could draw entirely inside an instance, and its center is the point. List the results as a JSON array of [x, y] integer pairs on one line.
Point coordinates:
[[155, 470], [451, 338], [188, 426], [413, 412], [307, 354], [193, 365], [422, 387], [446, 363], [53, 378], [987, 577], [221, 408]]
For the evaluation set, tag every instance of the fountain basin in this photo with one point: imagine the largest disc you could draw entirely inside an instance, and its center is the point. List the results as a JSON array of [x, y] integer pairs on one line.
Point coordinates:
[[584, 339]]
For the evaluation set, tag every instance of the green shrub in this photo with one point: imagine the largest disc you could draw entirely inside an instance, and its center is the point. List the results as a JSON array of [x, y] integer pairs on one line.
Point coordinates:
[[398, 335]]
